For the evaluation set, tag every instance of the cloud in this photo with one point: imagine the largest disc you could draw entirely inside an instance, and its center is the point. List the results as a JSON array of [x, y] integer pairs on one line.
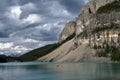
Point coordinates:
[[86, 1], [16, 11], [22, 13], [28, 9], [73, 6], [29, 24], [32, 18], [18, 46], [30, 41], [5, 45]]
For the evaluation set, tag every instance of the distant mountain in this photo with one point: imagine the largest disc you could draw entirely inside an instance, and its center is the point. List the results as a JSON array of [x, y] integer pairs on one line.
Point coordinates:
[[3, 58]]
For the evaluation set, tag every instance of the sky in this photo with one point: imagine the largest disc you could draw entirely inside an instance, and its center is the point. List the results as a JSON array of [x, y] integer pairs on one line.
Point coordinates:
[[29, 24]]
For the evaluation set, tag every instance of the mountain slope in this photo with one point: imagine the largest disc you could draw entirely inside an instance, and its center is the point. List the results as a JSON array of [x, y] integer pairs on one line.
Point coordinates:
[[97, 35], [34, 54], [40, 52], [58, 53]]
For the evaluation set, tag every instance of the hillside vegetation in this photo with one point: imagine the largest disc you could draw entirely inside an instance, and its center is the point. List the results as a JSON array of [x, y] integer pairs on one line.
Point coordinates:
[[37, 53], [114, 6]]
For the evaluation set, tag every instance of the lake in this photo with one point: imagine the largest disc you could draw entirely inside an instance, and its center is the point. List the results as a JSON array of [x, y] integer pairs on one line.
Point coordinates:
[[59, 71]]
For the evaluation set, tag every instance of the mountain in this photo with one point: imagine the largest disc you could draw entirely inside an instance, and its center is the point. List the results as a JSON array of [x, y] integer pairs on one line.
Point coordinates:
[[3, 58], [42, 51], [95, 35], [68, 30], [34, 54]]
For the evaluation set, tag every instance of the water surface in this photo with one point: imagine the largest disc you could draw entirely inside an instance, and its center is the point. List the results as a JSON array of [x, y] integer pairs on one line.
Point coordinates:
[[59, 71]]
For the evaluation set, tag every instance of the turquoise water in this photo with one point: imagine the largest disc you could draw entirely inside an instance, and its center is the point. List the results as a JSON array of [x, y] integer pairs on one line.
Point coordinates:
[[59, 71]]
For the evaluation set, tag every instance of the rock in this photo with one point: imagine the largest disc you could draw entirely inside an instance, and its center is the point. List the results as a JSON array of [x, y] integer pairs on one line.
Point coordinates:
[[87, 16], [68, 30], [96, 14], [57, 54]]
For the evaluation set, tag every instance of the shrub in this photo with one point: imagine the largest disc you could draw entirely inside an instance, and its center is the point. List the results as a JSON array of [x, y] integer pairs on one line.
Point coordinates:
[[115, 54], [114, 6], [99, 29], [113, 51]]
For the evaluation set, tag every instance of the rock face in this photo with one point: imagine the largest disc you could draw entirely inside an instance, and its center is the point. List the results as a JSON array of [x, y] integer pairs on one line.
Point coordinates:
[[97, 26], [68, 30], [88, 14], [99, 22]]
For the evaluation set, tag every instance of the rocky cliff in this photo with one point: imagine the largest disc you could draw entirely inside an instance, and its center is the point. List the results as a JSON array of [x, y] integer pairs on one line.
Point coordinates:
[[97, 34], [99, 17], [68, 30]]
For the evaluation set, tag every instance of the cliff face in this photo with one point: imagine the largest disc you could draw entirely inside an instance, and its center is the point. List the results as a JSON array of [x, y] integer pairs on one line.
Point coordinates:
[[99, 18], [87, 15], [97, 29], [68, 30], [98, 25]]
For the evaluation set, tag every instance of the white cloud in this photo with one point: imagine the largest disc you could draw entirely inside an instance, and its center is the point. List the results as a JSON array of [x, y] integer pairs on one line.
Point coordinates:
[[15, 11], [5, 45], [47, 26], [9, 48], [19, 46], [32, 18], [20, 49], [1, 53], [30, 41], [86, 1], [13, 14], [27, 10]]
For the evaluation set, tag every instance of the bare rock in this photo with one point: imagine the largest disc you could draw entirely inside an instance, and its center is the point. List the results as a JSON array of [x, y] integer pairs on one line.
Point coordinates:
[[68, 30]]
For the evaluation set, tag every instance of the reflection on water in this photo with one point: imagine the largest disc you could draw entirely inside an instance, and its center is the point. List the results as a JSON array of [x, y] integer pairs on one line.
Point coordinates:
[[59, 71]]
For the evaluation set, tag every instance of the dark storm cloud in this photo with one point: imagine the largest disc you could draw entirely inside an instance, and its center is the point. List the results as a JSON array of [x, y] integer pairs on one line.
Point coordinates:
[[28, 24], [32, 25], [50, 35], [50, 11], [2, 34]]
